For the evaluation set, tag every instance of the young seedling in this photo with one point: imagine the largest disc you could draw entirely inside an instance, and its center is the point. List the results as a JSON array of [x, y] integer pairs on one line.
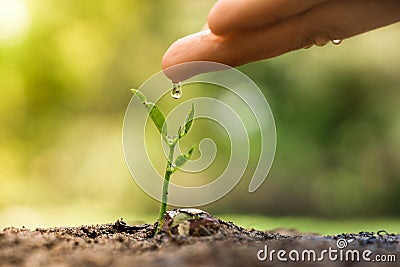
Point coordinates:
[[158, 118]]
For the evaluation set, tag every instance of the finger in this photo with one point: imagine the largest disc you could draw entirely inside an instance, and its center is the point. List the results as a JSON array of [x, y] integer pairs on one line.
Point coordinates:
[[329, 21], [232, 15]]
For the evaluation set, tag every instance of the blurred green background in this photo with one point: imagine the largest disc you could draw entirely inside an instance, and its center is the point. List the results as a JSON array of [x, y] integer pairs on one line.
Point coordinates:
[[65, 70]]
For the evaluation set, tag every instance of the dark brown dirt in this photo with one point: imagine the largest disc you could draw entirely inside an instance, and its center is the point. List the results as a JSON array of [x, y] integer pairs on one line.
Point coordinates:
[[119, 244]]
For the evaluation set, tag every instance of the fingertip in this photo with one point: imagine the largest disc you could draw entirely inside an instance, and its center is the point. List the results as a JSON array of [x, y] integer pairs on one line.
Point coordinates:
[[169, 60], [198, 47], [186, 49]]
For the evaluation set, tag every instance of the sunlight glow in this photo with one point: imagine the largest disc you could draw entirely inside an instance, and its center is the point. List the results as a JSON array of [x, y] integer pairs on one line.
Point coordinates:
[[14, 18]]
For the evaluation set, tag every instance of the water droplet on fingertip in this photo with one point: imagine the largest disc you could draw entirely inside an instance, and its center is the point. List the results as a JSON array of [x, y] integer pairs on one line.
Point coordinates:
[[176, 91], [336, 41]]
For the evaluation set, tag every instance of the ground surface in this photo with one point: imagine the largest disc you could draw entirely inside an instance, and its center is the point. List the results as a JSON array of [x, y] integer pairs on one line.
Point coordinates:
[[217, 244]]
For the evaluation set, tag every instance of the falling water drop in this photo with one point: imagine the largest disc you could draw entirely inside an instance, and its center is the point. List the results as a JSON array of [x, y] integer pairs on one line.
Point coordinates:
[[336, 41], [176, 91]]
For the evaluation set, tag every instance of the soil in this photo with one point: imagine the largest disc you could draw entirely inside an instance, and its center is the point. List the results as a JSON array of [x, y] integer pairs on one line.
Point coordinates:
[[194, 244]]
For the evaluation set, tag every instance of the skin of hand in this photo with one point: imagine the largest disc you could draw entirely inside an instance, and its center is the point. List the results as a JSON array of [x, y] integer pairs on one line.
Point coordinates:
[[242, 31]]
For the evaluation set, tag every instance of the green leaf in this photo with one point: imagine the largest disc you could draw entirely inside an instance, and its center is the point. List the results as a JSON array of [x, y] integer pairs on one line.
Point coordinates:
[[140, 95], [188, 123], [190, 152], [181, 159], [158, 117]]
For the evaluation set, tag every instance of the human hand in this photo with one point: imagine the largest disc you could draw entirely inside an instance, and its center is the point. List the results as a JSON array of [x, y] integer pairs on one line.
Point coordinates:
[[242, 31]]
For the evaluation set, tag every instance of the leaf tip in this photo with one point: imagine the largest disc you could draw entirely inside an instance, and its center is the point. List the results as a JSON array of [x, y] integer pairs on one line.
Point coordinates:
[[139, 94]]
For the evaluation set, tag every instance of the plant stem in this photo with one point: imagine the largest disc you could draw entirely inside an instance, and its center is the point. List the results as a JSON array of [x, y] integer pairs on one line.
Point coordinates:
[[167, 176]]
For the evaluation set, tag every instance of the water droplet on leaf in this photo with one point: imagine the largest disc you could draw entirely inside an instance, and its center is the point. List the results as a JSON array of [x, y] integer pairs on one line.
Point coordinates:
[[176, 91]]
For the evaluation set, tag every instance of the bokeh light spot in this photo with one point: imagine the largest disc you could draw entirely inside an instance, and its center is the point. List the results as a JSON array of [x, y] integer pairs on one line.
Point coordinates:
[[14, 18]]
